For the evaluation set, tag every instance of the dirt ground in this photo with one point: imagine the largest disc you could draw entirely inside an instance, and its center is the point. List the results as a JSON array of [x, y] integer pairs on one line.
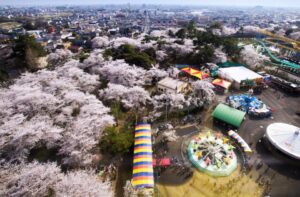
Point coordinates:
[[269, 172]]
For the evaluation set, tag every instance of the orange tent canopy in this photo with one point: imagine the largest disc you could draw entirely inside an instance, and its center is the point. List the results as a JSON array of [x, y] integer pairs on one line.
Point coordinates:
[[195, 73], [221, 82]]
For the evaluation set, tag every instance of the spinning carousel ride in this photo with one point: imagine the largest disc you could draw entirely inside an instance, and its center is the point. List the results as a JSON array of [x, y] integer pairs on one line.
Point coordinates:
[[212, 154], [285, 137], [250, 104]]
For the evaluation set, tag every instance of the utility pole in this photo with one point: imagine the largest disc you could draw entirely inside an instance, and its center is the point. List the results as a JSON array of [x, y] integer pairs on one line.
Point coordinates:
[[166, 110]]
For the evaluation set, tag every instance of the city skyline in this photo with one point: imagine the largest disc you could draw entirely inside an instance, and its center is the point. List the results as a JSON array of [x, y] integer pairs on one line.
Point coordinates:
[[272, 3]]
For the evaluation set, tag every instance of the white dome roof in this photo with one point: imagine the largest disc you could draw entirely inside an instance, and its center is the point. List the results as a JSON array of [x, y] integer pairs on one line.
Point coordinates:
[[285, 137]]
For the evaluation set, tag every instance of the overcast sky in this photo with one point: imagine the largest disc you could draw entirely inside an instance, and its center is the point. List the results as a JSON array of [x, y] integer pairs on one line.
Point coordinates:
[[275, 3]]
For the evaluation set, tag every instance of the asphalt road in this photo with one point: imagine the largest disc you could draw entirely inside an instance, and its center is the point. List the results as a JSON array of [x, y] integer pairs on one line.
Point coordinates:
[[277, 173], [281, 173]]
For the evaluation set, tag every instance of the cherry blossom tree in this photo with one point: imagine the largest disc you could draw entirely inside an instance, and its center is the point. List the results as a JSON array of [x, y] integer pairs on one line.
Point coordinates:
[[295, 35], [250, 29], [33, 179], [129, 191], [161, 55], [100, 42], [181, 49], [174, 101], [203, 92], [42, 179], [217, 32], [82, 183], [219, 56], [163, 33], [83, 131], [83, 81], [130, 97], [173, 72], [201, 29], [168, 41], [119, 72], [19, 135], [53, 109], [159, 33], [151, 44], [136, 97], [188, 43], [281, 32], [116, 43], [154, 75], [59, 56], [169, 134], [226, 31], [94, 60], [251, 57]]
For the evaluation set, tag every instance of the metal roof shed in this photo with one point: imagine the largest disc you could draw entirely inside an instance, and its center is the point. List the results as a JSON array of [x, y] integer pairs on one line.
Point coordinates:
[[229, 115]]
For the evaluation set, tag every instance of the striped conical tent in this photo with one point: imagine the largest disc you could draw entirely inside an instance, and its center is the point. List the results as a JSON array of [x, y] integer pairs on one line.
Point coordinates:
[[195, 73]]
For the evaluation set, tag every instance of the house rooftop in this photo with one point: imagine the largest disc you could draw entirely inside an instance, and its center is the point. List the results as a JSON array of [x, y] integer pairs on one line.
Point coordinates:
[[171, 83]]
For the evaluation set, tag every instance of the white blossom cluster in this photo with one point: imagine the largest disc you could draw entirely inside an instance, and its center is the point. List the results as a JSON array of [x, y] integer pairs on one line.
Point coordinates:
[[154, 74], [181, 49], [59, 56], [55, 109], [37, 179], [130, 97], [203, 90], [94, 60], [100, 42], [119, 72], [250, 29], [219, 56], [59, 109], [251, 57], [161, 55], [295, 35], [117, 42], [172, 100], [224, 31]]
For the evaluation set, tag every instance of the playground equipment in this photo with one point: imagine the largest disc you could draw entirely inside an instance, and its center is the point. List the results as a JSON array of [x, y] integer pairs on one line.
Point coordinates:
[[285, 137], [212, 154], [250, 104], [240, 140]]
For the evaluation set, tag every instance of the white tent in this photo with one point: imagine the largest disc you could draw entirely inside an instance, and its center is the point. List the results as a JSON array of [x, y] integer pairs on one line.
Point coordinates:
[[285, 137], [238, 74]]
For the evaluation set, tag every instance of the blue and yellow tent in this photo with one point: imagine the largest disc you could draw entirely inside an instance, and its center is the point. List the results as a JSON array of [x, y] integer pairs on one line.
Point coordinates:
[[142, 157]]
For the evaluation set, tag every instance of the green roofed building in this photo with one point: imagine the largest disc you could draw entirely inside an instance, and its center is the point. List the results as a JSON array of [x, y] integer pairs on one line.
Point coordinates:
[[229, 115]]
